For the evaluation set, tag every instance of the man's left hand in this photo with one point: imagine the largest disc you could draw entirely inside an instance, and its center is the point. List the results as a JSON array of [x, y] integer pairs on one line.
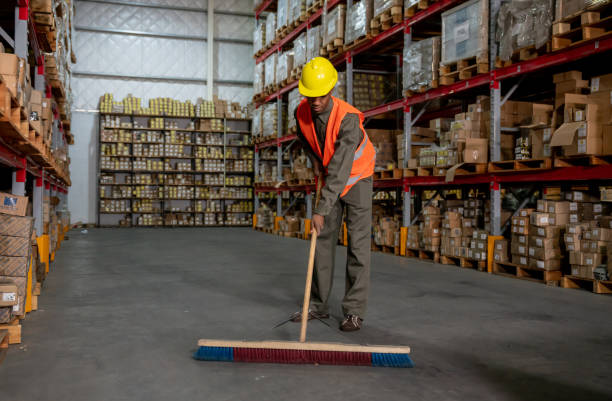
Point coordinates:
[[317, 223]]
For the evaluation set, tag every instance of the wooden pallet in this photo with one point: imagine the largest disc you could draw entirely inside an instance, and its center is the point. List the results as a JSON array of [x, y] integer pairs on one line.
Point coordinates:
[[14, 331], [583, 26], [480, 265], [524, 54], [333, 48], [386, 19], [520, 165], [296, 73], [422, 89], [462, 69], [421, 5], [44, 21], [360, 40], [548, 277], [598, 287], [471, 168], [265, 230], [385, 249], [288, 234], [388, 174], [583, 160], [424, 254], [314, 7]]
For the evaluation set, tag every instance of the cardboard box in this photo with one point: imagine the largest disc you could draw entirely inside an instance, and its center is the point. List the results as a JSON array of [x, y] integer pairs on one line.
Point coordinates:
[[566, 76], [13, 266], [540, 219], [601, 83], [476, 150], [557, 207], [519, 239], [14, 246], [542, 242], [16, 226], [519, 249], [550, 264], [606, 133], [520, 260], [601, 234], [578, 138], [520, 221], [8, 293], [544, 253], [13, 204]]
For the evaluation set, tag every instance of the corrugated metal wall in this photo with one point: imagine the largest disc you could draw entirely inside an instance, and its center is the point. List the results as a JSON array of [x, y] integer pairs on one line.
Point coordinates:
[[150, 51]]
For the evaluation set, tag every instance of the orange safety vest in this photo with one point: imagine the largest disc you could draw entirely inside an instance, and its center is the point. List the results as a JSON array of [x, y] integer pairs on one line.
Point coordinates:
[[365, 155]]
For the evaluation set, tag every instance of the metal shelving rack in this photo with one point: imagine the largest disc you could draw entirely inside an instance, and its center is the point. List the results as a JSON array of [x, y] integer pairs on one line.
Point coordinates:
[[492, 81], [25, 164], [164, 172]]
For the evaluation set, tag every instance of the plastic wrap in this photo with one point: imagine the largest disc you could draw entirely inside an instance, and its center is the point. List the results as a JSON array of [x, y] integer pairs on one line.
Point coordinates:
[[282, 13], [296, 8], [380, 6], [334, 25], [270, 69], [259, 36], [294, 99], [313, 43], [270, 27], [269, 121], [299, 50], [256, 121], [421, 62], [358, 20], [523, 23], [281, 68], [371, 90], [567, 8], [339, 90], [465, 32], [258, 79]]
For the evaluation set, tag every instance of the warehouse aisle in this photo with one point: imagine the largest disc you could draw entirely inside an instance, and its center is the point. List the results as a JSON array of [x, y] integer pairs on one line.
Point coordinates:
[[121, 314]]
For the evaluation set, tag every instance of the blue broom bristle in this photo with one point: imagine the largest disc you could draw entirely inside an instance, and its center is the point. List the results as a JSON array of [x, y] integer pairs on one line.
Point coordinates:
[[226, 354]]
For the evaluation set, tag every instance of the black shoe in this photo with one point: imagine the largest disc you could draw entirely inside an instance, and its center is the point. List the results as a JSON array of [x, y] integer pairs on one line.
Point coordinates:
[[351, 323], [297, 316]]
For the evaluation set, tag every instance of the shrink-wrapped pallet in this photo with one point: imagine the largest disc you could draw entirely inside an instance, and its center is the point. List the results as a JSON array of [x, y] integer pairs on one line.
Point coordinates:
[[358, 20], [269, 120], [299, 50], [296, 9], [270, 27], [334, 26], [258, 79], [294, 99], [523, 23], [421, 62], [270, 70], [313, 43], [465, 32], [256, 121], [284, 65], [259, 36], [380, 6], [282, 14], [568, 8]]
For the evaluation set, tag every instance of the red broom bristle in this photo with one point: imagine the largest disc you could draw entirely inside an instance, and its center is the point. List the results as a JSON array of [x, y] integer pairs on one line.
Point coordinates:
[[302, 356]]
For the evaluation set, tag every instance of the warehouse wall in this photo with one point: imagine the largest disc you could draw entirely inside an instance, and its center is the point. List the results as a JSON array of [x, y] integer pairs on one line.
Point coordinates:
[[132, 62]]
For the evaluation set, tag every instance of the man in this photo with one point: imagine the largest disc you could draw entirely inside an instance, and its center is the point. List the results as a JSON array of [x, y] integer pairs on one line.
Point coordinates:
[[332, 132]]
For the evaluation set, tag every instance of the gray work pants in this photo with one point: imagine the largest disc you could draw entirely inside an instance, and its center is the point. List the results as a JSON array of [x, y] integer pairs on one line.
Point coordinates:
[[358, 204]]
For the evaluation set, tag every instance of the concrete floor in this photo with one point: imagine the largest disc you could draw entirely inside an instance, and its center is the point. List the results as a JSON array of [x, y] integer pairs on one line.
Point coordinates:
[[122, 310]]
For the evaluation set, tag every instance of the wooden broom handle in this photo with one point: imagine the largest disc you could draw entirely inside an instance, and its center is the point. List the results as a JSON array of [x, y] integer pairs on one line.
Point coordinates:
[[313, 245]]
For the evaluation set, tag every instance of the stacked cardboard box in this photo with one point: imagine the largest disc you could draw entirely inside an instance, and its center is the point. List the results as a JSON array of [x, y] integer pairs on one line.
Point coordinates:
[[546, 229], [478, 247], [385, 143], [430, 235], [519, 244], [385, 231], [412, 237], [500, 251], [452, 231], [15, 248]]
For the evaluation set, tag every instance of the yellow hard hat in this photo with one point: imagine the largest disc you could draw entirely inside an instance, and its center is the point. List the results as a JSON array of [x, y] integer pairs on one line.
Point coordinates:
[[318, 77]]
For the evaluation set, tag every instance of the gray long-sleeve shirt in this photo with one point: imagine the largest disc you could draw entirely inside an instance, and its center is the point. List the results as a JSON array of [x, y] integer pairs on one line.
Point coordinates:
[[341, 163]]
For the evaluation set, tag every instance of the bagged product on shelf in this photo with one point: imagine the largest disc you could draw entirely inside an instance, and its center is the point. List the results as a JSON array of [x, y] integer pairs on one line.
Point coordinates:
[[256, 125], [282, 10], [281, 68], [313, 43], [270, 27], [270, 70], [258, 78], [567, 8], [334, 26], [299, 50], [523, 23], [371, 90], [421, 63], [358, 20], [339, 90], [259, 36], [269, 119], [465, 32]]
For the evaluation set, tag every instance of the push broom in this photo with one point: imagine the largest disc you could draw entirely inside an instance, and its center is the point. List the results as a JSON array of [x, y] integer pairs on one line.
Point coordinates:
[[304, 352]]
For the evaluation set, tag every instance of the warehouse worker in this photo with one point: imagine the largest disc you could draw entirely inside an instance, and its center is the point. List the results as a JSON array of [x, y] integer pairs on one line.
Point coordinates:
[[332, 132]]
